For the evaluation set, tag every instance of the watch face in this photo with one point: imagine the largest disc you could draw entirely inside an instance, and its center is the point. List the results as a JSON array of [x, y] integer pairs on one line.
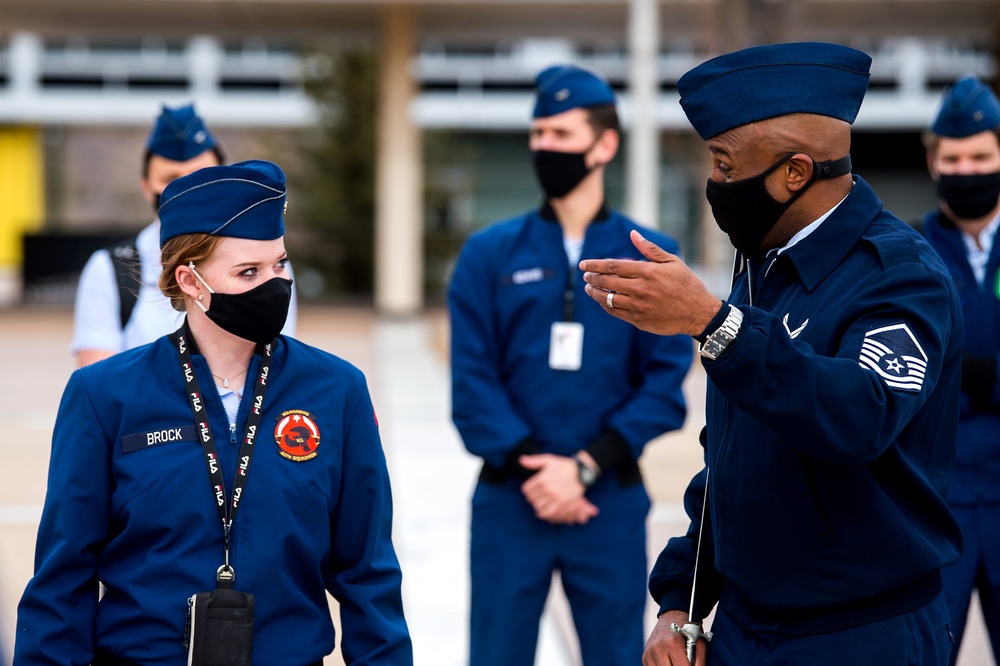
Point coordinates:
[[587, 475]]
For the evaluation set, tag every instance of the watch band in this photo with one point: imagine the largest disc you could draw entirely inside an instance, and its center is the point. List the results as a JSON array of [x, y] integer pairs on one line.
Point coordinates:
[[722, 337]]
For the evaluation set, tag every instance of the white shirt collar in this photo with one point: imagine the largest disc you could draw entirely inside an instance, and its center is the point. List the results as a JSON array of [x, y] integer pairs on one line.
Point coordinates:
[[978, 254], [805, 231], [986, 236]]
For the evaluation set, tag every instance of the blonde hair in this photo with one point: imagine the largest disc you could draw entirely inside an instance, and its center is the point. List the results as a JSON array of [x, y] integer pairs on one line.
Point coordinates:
[[180, 251]]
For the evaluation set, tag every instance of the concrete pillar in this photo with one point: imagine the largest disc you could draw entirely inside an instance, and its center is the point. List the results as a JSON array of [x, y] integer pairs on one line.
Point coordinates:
[[399, 225], [25, 65], [642, 174], [204, 56]]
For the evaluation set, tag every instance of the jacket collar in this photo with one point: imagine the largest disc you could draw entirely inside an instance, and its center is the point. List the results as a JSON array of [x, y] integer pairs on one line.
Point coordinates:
[[823, 250]]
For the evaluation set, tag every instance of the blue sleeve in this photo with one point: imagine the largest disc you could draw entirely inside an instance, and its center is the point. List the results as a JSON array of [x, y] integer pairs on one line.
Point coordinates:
[[57, 615], [364, 573], [673, 573], [489, 424], [657, 405], [840, 410]]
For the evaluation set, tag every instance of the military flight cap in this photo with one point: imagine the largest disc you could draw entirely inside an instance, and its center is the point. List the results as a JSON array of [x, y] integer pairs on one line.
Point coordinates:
[[179, 134], [764, 82], [565, 87], [242, 200], [968, 107]]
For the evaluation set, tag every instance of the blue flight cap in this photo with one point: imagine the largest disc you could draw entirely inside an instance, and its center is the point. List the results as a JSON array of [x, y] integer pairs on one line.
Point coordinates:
[[179, 134], [242, 200], [764, 82], [968, 107], [566, 87]]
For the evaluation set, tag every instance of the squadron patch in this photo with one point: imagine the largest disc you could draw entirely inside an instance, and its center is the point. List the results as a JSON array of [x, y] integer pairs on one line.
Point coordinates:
[[296, 435], [894, 353]]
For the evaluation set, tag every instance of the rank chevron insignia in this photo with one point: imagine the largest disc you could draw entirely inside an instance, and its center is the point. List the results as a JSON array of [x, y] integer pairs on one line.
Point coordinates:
[[895, 355]]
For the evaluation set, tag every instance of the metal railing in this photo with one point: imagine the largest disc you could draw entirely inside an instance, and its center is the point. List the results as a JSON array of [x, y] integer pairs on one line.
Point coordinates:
[[255, 83]]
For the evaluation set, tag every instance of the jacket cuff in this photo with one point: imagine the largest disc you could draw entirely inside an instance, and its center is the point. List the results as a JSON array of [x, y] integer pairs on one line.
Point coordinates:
[[610, 451], [715, 324], [674, 599], [526, 447]]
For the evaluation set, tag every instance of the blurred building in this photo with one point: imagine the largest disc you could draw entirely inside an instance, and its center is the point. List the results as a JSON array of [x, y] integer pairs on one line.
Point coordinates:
[[80, 83]]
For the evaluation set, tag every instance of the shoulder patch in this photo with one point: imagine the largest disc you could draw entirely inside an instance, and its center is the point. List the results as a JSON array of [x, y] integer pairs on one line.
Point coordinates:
[[895, 355]]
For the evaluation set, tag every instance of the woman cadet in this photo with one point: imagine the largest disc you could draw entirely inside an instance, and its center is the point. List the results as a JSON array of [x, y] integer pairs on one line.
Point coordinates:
[[220, 480]]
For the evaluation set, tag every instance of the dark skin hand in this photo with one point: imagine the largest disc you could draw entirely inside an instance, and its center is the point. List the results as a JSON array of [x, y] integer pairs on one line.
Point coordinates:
[[665, 648], [661, 295]]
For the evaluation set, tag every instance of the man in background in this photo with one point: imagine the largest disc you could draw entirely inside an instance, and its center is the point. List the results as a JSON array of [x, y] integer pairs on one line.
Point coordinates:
[[560, 488], [963, 157], [118, 301]]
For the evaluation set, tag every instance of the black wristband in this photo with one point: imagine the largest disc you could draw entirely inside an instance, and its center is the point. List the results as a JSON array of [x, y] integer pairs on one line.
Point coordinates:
[[714, 325], [526, 447], [609, 451]]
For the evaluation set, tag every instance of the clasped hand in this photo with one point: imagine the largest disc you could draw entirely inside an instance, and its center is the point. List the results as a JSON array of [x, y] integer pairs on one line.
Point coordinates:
[[555, 491]]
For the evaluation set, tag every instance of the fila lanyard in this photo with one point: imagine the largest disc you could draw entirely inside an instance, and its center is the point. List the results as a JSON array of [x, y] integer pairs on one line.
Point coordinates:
[[227, 511]]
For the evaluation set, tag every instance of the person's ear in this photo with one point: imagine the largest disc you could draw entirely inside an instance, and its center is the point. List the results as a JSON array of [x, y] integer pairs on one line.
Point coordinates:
[[605, 148], [931, 169], [147, 189], [187, 281], [798, 171]]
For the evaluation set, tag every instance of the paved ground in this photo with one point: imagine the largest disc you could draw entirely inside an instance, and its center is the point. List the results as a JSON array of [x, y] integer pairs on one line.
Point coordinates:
[[406, 365]]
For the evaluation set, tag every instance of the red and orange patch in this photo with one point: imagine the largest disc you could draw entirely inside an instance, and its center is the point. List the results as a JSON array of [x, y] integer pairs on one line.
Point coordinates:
[[297, 435]]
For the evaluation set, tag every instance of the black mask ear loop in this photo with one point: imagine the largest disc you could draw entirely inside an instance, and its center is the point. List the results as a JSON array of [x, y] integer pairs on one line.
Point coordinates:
[[207, 286], [832, 168], [821, 171]]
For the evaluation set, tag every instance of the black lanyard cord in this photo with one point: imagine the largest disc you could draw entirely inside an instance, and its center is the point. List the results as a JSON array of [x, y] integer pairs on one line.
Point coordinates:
[[227, 511], [569, 296]]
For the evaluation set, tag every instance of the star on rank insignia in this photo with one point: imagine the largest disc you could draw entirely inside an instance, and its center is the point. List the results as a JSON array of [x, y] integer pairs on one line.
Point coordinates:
[[895, 355], [297, 435]]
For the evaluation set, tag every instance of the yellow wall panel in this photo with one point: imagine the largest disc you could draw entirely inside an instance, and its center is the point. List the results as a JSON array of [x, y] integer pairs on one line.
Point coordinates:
[[22, 189]]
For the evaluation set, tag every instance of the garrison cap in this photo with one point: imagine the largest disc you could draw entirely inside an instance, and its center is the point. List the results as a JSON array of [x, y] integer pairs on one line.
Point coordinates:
[[566, 87], [242, 200], [764, 82], [179, 134], [968, 107]]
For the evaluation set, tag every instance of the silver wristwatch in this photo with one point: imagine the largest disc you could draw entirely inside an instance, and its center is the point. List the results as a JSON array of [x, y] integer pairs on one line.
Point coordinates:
[[723, 336], [587, 474]]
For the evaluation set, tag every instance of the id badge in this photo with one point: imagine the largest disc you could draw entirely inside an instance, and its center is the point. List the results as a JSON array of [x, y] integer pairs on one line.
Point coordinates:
[[566, 346]]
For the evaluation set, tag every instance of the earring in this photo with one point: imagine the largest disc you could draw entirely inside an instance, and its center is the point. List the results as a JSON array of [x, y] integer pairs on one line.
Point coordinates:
[[201, 296]]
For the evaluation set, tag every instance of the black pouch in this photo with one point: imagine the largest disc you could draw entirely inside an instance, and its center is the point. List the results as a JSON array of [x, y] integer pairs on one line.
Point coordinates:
[[219, 628]]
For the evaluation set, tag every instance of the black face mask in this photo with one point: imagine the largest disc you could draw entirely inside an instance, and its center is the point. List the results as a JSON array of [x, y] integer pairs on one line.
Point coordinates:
[[257, 315], [747, 212], [559, 173], [970, 197], [156, 204]]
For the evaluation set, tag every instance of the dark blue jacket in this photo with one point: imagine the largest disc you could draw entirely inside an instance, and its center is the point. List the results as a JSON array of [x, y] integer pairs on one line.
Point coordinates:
[[828, 476], [977, 475], [144, 523], [508, 289]]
